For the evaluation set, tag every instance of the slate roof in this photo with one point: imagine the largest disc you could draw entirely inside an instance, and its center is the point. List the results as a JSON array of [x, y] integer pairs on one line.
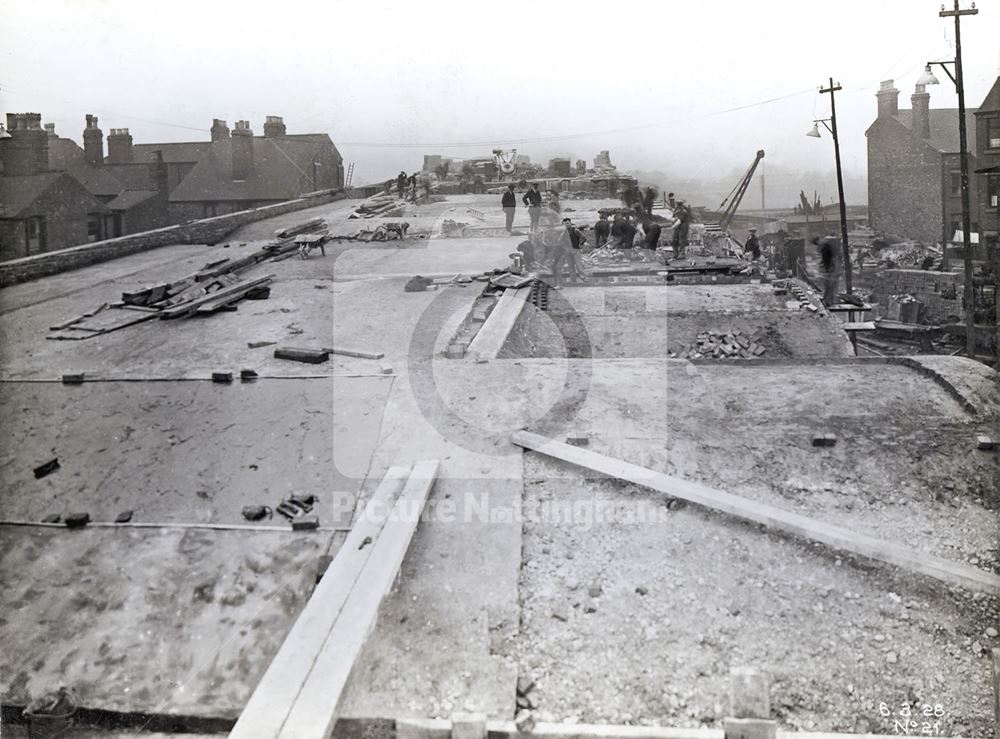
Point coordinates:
[[132, 176], [282, 168], [130, 198], [17, 194], [183, 151], [944, 128], [991, 104]]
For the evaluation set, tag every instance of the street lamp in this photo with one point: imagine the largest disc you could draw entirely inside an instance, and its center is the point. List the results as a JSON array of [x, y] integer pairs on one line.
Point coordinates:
[[928, 78], [830, 124]]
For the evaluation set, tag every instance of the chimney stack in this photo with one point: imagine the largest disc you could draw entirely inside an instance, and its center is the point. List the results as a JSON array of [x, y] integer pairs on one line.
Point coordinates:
[[242, 150], [920, 101], [158, 172], [119, 146], [274, 126], [27, 150], [50, 129], [220, 130], [93, 142], [888, 99]]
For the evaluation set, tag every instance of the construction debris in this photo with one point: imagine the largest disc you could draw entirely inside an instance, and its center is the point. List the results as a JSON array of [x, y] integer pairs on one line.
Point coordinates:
[[223, 377], [44, 469], [313, 224], [985, 443], [256, 512], [123, 517], [248, 374], [76, 520], [309, 356], [380, 206]]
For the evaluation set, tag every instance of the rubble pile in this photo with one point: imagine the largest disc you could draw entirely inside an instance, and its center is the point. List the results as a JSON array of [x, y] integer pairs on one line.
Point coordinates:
[[716, 345]]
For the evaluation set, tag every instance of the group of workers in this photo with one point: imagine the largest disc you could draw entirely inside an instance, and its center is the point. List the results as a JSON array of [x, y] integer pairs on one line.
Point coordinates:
[[406, 186]]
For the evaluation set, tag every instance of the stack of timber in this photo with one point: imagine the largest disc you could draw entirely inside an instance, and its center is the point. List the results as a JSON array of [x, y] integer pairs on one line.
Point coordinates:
[[379, 206]]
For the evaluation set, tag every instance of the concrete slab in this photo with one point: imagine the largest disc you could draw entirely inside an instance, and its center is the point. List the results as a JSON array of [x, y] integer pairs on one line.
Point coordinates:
[[160, 621], [196, 451]]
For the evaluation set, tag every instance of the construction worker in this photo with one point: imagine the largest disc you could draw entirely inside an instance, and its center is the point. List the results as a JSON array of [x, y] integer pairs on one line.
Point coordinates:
[[682, 224], [651, 234], [647, 200], [533, 200], [558, 248], [752, 246], [576, 242], [413, 186], [401, 184], [509, 203], [602, 230], [828, 267]]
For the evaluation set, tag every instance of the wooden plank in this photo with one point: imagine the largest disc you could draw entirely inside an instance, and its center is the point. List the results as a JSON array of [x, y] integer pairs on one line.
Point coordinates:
[[192, 305], [309, 356], [274, 695], [859, 326], [354, 353], [78, 319], [951, 573], [314, 713], [493, 334]]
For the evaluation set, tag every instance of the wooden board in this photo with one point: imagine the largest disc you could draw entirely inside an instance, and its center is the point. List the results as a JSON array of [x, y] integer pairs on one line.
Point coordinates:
[[493, 334], [354, 353], [192, 305], [110, 320], [951, 573], [314, 713], [309, 356], [274, 695], [859, 326]]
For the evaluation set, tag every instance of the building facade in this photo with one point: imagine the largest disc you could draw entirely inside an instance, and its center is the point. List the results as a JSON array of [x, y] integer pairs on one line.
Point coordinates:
[[988, 159], [914, 171]]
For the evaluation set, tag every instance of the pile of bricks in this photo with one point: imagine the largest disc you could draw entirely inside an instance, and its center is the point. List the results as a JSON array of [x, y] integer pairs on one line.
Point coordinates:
[[715, 345], [939, 292]]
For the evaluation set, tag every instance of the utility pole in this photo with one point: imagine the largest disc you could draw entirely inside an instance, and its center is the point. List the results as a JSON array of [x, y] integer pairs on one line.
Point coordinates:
[[970, 308], [840, 180]]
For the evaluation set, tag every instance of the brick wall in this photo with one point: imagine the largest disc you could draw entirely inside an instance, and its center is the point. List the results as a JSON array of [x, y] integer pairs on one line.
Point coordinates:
[[904, 183], [940, 292], [207, 230]]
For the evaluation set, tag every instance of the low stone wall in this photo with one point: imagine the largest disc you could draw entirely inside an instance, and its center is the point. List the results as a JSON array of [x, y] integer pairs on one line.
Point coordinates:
[[939, 292], [205, 231]]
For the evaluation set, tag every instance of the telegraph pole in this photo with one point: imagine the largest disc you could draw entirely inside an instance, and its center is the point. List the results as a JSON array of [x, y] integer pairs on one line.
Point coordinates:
[[970, 308], [840, 181]]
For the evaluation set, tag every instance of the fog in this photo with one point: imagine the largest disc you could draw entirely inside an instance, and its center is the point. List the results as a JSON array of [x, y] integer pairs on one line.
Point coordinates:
[[691, 90]]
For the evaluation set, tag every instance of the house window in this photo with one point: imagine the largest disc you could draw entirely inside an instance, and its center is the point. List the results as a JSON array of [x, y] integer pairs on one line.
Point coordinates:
[[35, 231], [993, 133], [210, 210], [993, 190], [93, 227], [955, 183]]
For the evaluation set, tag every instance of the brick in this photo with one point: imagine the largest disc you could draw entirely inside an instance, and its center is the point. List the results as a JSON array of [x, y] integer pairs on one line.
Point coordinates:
[[985, 443], [73, 378], [309, 356], [824, 440], [578, 439], [385, 369], [222, 377], [305, 523], [248, 374]]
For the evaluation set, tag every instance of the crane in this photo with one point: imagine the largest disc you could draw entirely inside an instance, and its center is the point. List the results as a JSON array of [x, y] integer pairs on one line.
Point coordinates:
[[732, 201]]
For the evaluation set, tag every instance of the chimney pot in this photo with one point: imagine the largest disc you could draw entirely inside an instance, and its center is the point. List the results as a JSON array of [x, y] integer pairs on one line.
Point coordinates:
[[274, 126], [888, 99], [93, 142], [120, 146], [920, 102], [27, 149]]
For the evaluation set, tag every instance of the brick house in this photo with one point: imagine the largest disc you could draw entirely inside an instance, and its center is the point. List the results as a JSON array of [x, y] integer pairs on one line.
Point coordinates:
[[41, 210], [914, 182], [240, 171], [988, 159], [140, 187]]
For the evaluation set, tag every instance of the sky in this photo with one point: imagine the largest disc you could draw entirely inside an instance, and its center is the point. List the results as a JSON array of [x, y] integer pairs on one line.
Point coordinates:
[[686, 88]]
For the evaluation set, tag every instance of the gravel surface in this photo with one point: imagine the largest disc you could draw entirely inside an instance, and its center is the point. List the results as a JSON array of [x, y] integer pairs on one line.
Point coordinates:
[[639, 623]]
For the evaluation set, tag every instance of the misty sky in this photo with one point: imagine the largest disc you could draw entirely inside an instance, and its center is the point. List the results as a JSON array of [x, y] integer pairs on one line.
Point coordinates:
[[649, 81]]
